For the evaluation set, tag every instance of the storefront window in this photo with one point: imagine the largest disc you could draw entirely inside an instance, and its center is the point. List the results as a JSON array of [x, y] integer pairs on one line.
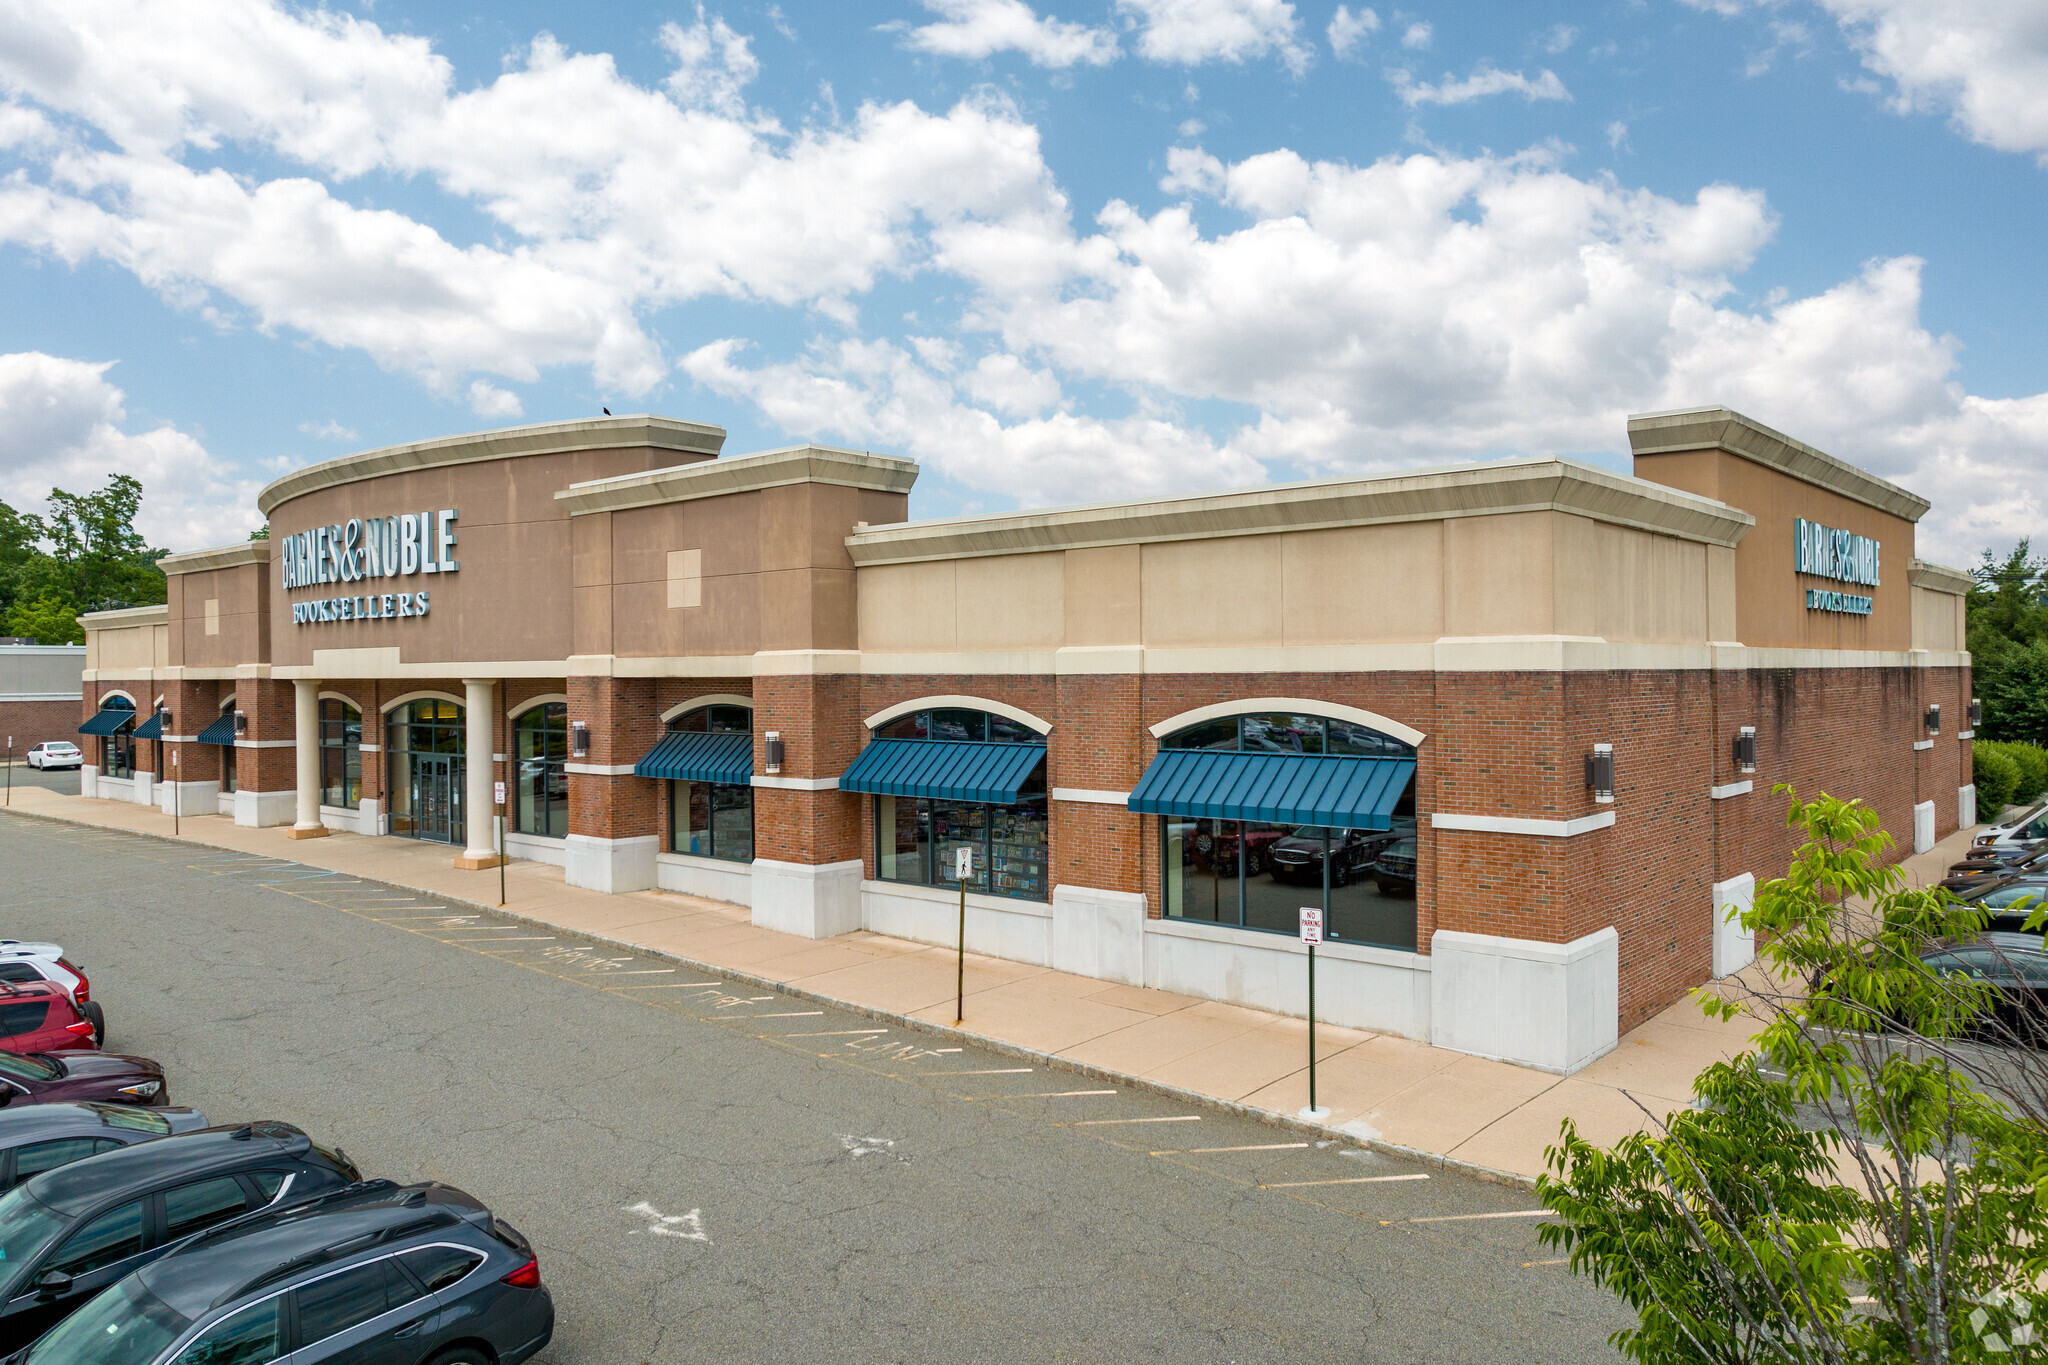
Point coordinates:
[[424, 757], [541, 747], [227, 752], [712, 819], [117, 751], [341, 754], [1258, 876], [916, 838]]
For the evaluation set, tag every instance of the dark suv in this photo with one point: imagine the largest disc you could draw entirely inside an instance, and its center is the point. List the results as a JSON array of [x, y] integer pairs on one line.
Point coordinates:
[[69, 1233], [377, 1273], [1299, 857]]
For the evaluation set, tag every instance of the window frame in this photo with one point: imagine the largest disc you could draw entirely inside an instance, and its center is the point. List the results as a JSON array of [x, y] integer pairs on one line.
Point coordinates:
[[339, 754], [550, 776], [1030, 879], [722, 718]]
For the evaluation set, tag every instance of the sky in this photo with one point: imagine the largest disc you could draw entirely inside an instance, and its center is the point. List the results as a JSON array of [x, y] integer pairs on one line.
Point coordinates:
[[1055, 252]]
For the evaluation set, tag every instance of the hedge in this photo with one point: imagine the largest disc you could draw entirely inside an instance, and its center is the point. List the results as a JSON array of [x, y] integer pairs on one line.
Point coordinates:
[[2007, 772]]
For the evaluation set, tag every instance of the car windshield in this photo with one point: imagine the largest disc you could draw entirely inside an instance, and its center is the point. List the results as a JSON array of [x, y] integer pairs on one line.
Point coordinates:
[[27, 1225], [29, 1068], [124, 1325], [1402, 848], [2005, 897], [131, 1118]]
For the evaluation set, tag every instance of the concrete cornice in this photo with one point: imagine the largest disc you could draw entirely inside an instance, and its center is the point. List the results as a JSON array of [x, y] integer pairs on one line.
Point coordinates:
[[1938, 578], [546, 438], [1719, 428], [158, 615], [1526, 484], [742, 474], [221, 557]]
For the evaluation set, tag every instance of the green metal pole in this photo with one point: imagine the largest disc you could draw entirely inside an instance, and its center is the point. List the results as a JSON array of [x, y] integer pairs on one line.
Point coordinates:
[[960, 978], [1311, 1025]]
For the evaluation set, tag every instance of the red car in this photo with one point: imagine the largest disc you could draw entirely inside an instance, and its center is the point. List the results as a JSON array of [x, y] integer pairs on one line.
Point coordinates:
[[39, 1017]]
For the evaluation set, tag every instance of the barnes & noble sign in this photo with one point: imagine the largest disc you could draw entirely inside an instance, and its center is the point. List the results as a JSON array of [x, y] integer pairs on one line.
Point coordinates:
[[1827, 552], [365, 550]]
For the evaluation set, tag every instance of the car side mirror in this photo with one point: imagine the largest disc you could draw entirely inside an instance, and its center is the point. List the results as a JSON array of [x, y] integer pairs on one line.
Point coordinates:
[[54, 1284]]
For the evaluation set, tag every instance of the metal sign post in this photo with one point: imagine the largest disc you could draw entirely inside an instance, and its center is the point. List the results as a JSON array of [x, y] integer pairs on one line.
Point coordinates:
[[963, 868], [500, 786], [176, 804], [10, 770], [1312, 934]]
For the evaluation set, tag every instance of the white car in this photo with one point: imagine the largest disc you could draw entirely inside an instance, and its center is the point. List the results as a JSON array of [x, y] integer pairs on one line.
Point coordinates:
[[55, 753], [21, 963]]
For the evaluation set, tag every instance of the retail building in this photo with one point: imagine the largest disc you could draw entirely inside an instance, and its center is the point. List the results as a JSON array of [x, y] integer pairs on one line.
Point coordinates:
[[39, 692], [1512, 725]]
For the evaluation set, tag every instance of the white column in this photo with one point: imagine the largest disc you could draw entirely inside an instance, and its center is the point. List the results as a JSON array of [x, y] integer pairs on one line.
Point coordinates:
[[306, 744], [479, 701]]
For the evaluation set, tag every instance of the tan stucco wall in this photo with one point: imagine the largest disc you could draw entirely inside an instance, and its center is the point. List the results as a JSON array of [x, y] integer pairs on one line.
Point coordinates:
[[241, 596], [1770, 598], [1528, 573], [128, 648], [1938, 620]]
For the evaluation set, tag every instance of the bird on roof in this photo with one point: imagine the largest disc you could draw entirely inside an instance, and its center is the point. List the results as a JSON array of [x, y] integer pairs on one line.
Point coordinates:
[[606, 411]]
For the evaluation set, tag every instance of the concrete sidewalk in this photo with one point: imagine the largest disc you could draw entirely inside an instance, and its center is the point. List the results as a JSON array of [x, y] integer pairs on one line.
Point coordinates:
[[1489, 1117]]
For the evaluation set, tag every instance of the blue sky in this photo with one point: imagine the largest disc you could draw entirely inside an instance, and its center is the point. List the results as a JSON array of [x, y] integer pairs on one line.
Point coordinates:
[[1055, 252]]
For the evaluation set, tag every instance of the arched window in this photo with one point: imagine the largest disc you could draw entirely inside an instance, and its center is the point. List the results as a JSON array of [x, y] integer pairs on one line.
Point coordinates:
[[117, 747], [712, 819], [227, 751], [541, 749], [918, 837], [1255, 874], [423, 746], [341, 754]]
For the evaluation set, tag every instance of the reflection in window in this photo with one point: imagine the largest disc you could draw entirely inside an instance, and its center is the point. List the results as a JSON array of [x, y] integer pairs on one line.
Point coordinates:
[[1258, 876], [423, 743], [713, 819], [341, 754], [917, 838], [227, 752], [117, 751], [541, 749]]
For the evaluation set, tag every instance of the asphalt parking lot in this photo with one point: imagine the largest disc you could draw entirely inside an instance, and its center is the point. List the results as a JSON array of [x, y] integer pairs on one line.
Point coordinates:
[[715, 1172]]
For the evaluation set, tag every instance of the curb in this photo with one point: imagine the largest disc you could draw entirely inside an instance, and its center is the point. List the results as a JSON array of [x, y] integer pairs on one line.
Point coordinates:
[[1051, 1061]]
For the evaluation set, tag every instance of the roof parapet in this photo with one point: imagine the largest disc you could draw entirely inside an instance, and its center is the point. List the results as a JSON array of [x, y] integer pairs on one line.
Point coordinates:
[[742, 474], [1718, 428]]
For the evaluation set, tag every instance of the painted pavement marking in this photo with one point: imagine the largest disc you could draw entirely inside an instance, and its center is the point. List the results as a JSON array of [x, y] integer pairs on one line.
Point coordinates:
[[836, 1033], [1468, 1217], [1050, 1094], [687, 1226], [1350, 1180], [1255, 1147], [1097, 1123]]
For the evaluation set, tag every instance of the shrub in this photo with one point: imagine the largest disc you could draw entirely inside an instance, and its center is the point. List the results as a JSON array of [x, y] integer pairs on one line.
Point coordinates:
[[1997, 776], [2032, 760]]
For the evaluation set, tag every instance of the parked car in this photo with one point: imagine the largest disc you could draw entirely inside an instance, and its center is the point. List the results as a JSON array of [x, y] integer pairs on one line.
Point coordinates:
[[55, 753], [2011, 902], [69, 1233], [1217, 848], [1299, 856], [2017, 964], [39, 1017], [44, 1077], [382, 1273], [2029, 827], [23, 961], [1393, 872], [41, 1137]]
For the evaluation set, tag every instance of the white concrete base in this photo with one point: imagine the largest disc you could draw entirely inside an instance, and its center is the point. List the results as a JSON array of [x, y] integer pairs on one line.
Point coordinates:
[[356, 821], [141, 789], [1552, 1006], [263, 810], [1381, 989], [1923, 827], [706, 877], [808, 901], [1734, 946], [1966, 806], [1099, 933], [1018, 931], [224, 804], [88, 779], [190, 798], [612, 865], [535, 848], [114, 788], [370, 817]]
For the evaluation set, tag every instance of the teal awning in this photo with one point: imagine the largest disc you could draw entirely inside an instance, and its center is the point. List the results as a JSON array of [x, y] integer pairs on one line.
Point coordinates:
[[950, 770], [107, 720], [1279, 789], [153, 728], [690, 757], [221, 731]]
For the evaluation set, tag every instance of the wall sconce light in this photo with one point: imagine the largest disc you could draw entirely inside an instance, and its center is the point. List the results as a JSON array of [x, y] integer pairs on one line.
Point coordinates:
[[772, 750], [1934, 719], [1600, 772], [1745, 749], [241, 722], [579, 738], [1976, 713], [163, 721]]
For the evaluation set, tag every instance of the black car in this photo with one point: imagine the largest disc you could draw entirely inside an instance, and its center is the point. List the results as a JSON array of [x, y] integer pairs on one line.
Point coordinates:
[[2010, 902], [1299, 856], [1394, 870], [69, 1233], [2017, 964], [41, 1137], [378, 1273]]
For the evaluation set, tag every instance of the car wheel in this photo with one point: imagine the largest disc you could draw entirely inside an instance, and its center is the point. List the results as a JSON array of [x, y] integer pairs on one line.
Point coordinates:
[[1380, 887], [91, 1010], [1252, 866], [461, 1355], [1340, 873]]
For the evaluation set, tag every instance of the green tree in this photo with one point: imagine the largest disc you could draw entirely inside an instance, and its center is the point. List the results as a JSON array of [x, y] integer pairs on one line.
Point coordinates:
[[1870, 1183], [51, 619], [18, 536], [2008, 642]]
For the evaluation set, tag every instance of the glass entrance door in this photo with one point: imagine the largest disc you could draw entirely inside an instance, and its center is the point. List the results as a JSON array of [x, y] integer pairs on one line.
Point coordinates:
[[437, 798]]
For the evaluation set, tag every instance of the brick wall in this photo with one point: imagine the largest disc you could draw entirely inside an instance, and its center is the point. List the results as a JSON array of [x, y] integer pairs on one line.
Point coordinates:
[[36, 722]]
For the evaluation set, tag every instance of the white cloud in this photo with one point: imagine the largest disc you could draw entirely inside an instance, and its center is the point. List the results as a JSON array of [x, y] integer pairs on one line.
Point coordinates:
[[1349, 32], [1418, 36], [62, 426], [1485, 80], [1617, 135], [485, 400], [714, 65], [329, 430], [976, 29], [1190, 32], [1007, 384], [1557, 38]]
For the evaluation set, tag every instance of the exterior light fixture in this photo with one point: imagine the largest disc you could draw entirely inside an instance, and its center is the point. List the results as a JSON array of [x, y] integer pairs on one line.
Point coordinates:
[[163, 720], [1934, 719], [1976, 713], [772, 750], [1745, 749], [241, 722], [579, 738], [1600, 772]]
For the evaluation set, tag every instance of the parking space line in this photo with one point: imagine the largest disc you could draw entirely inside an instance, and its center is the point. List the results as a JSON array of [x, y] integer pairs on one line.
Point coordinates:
[[1352, 1180], [649, 971], [669, 986], [1255, 1147], [1096, 1123], [1006, 1071], [1468, 1217], [790, 1014], [835, 1033], [1051, 1094]]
